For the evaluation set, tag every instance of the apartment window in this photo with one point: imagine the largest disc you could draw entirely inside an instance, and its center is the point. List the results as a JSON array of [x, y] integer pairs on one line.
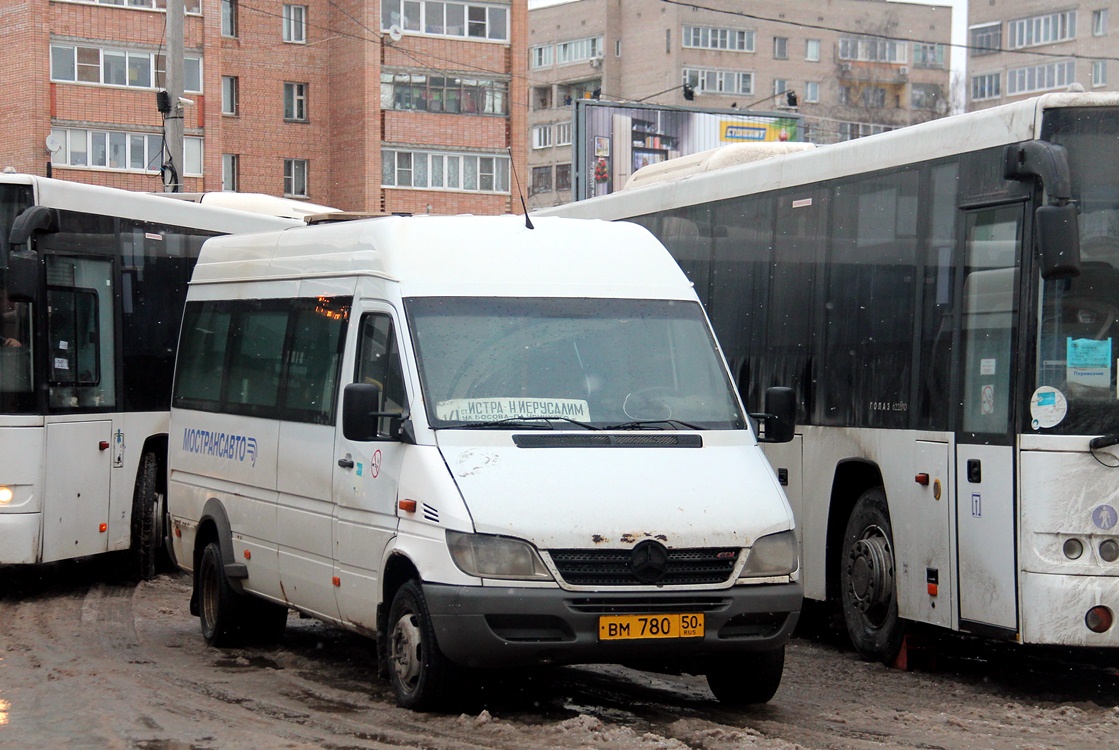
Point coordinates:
[[541, 136], [229, 18], [707, 81], [986, 86], [542, 56], [563, 177], [579, 50], [295, 102], [563, 134], [986, 40], [874, 97], [541, 179], [1099, 72], [1030, 32], [780, 86], [192, 7], [432, 170], [295, 178], [704, 37], [780, 48], [295, 23], [121, 150], [230, 172], [471, 20], [1099, 22], [229, 94], [871, 50], [1044, 77], [444, 94], [925, 96], [812, 92], [850, 130], [112, 67], [928, 55], [812, 50]]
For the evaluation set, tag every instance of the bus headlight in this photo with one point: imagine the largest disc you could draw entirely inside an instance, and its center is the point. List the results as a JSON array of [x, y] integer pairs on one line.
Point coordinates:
[[772, 555], [487, 556], [6, 495]]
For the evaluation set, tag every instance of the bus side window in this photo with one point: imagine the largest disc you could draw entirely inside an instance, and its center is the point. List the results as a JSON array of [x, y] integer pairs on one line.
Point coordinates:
[[378, 363]]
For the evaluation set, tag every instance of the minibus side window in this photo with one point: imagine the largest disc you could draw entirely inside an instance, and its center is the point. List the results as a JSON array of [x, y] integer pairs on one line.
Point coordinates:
[[378, 362]]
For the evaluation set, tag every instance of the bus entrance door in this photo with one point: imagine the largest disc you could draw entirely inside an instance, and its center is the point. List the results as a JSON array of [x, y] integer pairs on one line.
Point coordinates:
[[985, 485], [76, 492]]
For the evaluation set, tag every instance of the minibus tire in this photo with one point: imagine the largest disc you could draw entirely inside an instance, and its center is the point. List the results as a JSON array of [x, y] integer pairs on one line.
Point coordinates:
[[421, 676], [868, 589], [747, 680], [221, 610]]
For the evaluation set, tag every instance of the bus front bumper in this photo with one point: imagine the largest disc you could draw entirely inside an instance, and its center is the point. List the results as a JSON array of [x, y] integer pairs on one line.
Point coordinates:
[[19, 538]]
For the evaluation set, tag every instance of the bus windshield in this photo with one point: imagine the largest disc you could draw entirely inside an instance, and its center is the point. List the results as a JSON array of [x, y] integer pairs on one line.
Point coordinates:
[[602, 363], [17, 388], [1078, 335]]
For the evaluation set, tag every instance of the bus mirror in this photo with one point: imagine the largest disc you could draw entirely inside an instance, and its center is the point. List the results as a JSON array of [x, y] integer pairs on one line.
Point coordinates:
[[361, 405], [780, 415], [1058, 241], [22, 277], [33, 219]]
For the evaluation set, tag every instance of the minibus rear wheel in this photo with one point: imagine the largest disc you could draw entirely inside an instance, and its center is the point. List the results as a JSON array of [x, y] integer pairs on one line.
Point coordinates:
[[421, 676], [221, 610], [747, 680]]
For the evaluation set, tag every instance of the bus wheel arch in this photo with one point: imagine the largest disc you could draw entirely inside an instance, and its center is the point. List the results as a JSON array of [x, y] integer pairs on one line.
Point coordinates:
[[852, 478], [868, 580]]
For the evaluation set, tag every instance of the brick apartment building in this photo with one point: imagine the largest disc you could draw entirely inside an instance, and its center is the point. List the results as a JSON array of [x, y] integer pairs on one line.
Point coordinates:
[[1026, 47], [400, 105], [857, 67]]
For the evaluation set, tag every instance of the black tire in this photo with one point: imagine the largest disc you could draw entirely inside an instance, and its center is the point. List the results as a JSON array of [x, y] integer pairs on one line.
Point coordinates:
[[747, 680], [868, 588], [222, 612], [421, 677], [149, 512]]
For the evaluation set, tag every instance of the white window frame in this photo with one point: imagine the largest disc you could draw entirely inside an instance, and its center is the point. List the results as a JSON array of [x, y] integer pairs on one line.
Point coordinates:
[[812, 50], [143, 152], [1038, 30], [924, 51], [563, 133], [1049, 76], [541, 136], [985, 39], [812, 92], [445, 171], [294, 23], [542, 56], [229, 18], [1099, 73], [296, 173], [295, 101], [780, 48], [230, 95], [475, 21], [720, 82], [190, 7], [725, 39], [1099, 22], [230, 172], [578, 50], [986, 86], [148, 61], [866, 49]]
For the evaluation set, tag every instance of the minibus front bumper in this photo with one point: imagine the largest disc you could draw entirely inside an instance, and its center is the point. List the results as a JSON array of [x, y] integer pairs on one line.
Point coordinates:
[[488, 626]]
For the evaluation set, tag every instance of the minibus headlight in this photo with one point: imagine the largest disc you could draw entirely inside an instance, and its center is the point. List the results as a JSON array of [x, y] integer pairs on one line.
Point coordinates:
[[486, 556], [772, 555]]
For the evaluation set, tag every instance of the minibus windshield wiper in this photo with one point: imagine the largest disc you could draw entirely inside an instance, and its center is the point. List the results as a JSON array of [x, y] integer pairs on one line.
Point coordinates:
[[651, 424], [532, 423]]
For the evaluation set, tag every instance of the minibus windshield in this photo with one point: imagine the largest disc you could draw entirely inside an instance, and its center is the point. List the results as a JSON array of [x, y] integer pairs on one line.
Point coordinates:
[[571, 363]]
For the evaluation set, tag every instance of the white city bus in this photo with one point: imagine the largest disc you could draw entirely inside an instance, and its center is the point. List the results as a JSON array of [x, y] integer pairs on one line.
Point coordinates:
[[944, 299], [92, 283]]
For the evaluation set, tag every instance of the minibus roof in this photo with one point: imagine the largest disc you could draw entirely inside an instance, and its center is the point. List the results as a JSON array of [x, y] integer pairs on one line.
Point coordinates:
[[458, 255]]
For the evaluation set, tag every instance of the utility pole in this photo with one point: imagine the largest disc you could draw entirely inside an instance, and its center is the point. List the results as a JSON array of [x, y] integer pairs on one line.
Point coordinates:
[[172, 106]]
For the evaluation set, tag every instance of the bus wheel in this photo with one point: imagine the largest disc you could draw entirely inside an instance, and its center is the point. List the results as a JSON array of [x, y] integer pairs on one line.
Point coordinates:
[[221, 610], [419, 673], [870, 607], [148, 514], [747, 680]]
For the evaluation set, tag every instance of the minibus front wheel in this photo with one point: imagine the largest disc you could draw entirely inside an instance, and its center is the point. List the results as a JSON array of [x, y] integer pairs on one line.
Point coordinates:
[[420, 674]]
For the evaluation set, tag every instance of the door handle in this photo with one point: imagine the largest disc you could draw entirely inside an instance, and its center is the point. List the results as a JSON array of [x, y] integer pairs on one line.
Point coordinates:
[[347, 462]]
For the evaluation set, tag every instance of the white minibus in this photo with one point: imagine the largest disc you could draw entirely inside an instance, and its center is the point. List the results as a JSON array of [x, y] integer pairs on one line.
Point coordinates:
[[483, 442]]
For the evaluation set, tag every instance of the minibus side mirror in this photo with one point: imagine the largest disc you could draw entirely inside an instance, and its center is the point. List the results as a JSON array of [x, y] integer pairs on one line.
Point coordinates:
[[779, 419], [361, 415], [1058, 241], [22, 277]]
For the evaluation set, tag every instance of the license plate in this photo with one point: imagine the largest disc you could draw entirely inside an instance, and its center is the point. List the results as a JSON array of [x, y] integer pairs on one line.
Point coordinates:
[[634, 627]]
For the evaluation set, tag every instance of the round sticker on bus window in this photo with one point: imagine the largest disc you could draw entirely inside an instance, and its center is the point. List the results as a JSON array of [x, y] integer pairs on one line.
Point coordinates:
[[1048, 407]]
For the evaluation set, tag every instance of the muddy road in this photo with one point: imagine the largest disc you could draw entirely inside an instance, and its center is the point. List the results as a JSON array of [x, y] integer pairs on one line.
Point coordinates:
[[89, 664]]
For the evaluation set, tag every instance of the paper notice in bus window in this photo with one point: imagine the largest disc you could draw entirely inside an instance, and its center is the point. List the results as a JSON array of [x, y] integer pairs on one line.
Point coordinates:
[[987, 366], [1048, 407], [493, 409], [1089, 362]]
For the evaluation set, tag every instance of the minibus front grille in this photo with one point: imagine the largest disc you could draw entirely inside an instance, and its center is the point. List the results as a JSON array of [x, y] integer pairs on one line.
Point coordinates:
[[616, 567], [642, 605], [600, 440]]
